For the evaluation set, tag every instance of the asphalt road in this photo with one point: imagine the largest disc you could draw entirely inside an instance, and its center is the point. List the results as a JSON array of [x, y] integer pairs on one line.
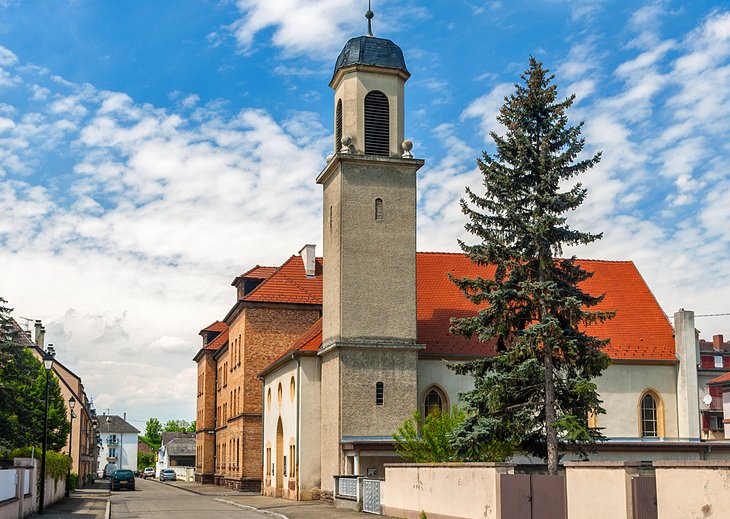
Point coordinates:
[[161, 500]]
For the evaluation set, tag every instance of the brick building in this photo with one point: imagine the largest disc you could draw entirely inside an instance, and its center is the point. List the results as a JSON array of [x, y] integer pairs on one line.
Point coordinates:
[[273, 307], [714, 362]]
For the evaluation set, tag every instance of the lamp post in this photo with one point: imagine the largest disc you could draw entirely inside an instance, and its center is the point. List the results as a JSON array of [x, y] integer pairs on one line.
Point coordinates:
[[71, 404], [48, 365]]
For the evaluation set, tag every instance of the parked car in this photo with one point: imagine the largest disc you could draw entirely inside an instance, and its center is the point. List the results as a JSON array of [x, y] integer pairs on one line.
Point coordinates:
[[109, 469], [149, 472], [122, 479], [167, 475]]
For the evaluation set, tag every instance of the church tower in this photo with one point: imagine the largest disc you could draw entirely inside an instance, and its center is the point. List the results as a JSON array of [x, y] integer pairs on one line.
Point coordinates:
[[369, 350]]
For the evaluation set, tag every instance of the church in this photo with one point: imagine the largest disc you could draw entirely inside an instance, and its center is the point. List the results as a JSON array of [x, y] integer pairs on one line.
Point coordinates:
[[321, 359]]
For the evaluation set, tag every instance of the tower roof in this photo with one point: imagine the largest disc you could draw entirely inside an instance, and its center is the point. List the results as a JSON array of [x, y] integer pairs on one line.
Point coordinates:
[[369, 50]]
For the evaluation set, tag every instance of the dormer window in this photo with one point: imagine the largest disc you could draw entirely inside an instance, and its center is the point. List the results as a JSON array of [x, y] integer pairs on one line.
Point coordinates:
[[377, 124]]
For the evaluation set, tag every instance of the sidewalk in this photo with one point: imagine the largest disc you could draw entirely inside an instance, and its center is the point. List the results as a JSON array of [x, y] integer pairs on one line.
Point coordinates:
[[276, 507], [89, 502]]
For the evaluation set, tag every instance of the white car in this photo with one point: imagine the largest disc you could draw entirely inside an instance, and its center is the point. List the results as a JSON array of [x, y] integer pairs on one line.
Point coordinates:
[[149, 472], [167, 475]]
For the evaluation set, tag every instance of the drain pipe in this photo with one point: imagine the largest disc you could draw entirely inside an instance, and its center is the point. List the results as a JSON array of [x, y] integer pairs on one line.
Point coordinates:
[[299, 424]]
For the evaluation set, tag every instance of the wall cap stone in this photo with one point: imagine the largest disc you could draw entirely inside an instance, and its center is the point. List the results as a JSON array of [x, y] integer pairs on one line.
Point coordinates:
[[682, 464], [452, 465], [601, 464]]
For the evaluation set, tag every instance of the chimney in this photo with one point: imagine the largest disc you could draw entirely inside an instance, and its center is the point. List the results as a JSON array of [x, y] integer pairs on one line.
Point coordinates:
[[687, 351], [717, 342], [308, 258], [40, 333]]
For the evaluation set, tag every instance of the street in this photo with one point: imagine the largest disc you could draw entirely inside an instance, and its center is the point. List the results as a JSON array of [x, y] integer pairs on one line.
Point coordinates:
[[155, 499]]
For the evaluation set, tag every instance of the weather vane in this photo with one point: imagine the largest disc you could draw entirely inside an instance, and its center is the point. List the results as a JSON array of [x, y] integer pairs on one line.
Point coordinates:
[[369, 15]]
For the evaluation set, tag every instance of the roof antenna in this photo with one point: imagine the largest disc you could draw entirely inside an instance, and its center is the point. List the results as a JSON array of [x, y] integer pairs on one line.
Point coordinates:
[[369, 15]]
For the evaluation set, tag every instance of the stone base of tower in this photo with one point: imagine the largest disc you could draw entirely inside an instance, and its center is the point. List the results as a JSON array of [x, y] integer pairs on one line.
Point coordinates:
[[368, 391]]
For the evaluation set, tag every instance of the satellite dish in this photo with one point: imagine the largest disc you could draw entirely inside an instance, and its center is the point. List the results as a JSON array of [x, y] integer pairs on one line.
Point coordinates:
[[707, 399]]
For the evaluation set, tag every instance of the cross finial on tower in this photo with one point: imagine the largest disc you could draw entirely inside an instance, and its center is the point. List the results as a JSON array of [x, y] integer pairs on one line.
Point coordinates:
[[369, 15]]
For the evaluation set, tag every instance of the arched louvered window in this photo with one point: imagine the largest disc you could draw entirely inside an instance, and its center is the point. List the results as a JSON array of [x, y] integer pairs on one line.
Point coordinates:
[[338, 126], [378, 209], [649, 415], [377, 124], [379, 393]]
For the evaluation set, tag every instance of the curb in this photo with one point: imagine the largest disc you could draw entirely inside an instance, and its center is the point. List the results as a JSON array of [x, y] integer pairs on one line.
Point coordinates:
[[251, 508], [108, 513]]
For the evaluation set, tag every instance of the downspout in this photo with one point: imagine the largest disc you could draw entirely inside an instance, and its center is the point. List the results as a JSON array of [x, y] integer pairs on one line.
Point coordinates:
[[263, 434], [297, 473]]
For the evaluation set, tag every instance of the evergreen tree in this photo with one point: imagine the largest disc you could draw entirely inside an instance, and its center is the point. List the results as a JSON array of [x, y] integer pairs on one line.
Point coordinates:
[[537, 392]]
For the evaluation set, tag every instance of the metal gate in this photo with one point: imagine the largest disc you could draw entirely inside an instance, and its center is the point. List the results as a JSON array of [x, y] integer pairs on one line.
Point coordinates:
[[371, 496], [643, 495], [532, 496]]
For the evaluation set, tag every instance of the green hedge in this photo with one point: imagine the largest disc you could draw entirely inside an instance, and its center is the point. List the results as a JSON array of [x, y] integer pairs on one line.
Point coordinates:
[[57, 464]]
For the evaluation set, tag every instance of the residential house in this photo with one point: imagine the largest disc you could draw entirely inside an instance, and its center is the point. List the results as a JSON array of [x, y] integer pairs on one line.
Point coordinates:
[[714, 362], [119, 441], [82, 417]]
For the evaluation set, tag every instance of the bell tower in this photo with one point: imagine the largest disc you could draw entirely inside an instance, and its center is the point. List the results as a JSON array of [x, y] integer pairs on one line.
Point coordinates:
[[369, 350]]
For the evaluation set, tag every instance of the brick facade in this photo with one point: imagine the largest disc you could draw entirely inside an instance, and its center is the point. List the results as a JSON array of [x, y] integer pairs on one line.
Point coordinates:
[[228, 440]]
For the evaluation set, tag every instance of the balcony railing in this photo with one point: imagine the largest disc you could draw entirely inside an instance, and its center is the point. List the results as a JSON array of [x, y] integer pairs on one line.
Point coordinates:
[[715, 405]]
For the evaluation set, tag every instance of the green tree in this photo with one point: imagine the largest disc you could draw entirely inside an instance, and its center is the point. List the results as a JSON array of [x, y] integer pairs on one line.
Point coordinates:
[[153, 431], [429, 440], [177, 426], [23, 392], [144, 460], [537, 392], [192, 427]]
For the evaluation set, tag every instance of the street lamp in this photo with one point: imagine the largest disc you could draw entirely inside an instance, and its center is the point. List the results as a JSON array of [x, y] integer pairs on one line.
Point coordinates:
[[48, 365], [71, 404]]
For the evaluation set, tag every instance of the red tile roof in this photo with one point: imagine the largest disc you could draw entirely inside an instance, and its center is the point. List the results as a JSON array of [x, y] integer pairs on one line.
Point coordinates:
[[310, 341], [258, 272], [723, 380], [290, 284], [217, 326], [640, 330], [219, 341]]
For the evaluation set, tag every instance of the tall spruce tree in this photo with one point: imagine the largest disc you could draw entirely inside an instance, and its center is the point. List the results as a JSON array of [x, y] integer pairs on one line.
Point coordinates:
[[537, 392]]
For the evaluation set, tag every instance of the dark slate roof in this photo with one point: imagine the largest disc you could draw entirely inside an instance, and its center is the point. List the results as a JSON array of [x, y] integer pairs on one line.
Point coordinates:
[[167, 437], [181, 447], [109, 423], [369, 50], [19, 335]]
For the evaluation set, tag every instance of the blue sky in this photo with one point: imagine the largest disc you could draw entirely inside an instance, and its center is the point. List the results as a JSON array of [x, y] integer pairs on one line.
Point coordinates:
[[152, 151]]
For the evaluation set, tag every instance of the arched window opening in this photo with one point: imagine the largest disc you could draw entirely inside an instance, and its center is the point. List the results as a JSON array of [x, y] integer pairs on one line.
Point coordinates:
[[379, 395], [338, 126], [433, 403], [649, 416], [377, 124], [378, 209]]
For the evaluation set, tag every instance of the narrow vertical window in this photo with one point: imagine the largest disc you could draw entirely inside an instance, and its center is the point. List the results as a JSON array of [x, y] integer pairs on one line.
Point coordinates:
[[377, 124], [649, 420], [338, 126], [330, 218], [378, 209], [379, 393]]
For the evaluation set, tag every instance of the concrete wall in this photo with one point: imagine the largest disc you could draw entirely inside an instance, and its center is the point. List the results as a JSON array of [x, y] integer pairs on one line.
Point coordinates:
[[330, 450], [622, 385], [603, 488], [21, 504], [352, 89], [693, 489], [369, 265], [443, 490]]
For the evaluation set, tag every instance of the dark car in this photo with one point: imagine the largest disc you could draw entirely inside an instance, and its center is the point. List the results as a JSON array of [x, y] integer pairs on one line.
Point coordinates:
[[122, 479]]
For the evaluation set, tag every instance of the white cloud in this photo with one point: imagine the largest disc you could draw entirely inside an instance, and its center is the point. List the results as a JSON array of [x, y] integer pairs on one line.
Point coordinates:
[[313, 27]]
